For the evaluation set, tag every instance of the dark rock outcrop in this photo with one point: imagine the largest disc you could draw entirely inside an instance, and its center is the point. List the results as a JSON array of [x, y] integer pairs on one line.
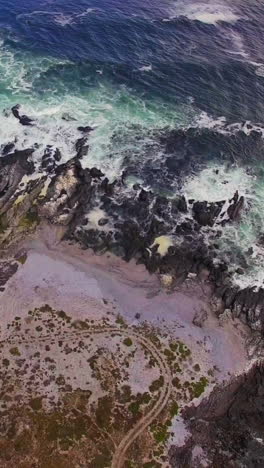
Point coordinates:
[[228, 426], [67, 195], [81, 147], [86, 129], [23, 119], [206, 213], [50, 159], [96, 173], [12, 168], [7, 270], [237, 204]]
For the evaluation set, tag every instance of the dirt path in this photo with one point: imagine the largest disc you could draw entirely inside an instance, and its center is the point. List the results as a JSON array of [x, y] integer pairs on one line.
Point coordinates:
[[121, 450], [133, 434]]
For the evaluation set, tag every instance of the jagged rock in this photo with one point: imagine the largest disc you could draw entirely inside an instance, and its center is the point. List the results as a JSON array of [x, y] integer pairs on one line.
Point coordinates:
[[217, 305], [66, 192], [23, 119], [240, 271], [86, 129], [107, 187], [181, 204], [15, 111], [143, 196], [12, 168], [237, 204], [255, 346], [8, 148], [50, 159], [7, 270], [103, 221], [228, 425], [57, 155], [206, 213], [96, 173], [81, 147]]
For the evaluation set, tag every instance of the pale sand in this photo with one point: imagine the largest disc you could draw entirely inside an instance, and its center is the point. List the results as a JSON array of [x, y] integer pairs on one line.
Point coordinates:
[[75, 280]]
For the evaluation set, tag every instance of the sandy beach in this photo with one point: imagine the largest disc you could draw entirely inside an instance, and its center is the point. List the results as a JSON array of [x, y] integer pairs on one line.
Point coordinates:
[[88, 285], [104, 291]]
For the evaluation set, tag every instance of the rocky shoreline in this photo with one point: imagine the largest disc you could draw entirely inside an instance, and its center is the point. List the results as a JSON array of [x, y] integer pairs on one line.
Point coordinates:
[[131, 221], [165, 234]]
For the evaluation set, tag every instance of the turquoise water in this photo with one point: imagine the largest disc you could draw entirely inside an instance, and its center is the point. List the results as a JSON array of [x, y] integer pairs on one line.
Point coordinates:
[[47, 91]]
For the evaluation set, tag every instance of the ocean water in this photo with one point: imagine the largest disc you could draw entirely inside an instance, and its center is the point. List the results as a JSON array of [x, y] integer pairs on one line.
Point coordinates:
[[131, 68]]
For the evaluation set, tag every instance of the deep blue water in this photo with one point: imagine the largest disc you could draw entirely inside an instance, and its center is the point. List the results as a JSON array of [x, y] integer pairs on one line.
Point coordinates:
[[210, 63]]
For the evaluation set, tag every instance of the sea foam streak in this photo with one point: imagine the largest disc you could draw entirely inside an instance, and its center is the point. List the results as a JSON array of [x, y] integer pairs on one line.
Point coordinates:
[[146, 68], [206, 12], [59, 17]]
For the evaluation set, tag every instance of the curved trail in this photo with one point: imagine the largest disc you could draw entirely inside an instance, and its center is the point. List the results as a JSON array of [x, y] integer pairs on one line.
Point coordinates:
[[132, 435], [121, 450]]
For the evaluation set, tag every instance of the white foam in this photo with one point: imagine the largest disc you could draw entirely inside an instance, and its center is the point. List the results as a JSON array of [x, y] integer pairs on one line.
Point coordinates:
[[211, 12], [94, 217], [146, 68], [220, 125], [65, 20], [216, 183], [59, 17], [238, 46], [253, 277], [36, 13], [45, 131], [260, 70], [206, 121]]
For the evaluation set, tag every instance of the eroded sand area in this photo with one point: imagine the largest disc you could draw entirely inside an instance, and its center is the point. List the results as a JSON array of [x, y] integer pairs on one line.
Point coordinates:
[[97, 360]]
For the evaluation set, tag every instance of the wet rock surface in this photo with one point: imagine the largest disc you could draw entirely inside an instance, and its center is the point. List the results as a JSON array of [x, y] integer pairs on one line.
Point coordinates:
[[23, 119]]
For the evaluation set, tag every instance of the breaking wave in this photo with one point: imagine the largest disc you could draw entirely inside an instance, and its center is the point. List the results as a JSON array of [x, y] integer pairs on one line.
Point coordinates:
[[211, 12]]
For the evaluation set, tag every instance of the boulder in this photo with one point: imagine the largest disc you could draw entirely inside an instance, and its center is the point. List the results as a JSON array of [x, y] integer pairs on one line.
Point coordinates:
[[206, 213], [96, 173], [23, 119], [228, 425], [81, 147], [236, 206], [86, 129], [66, 194], [50, 159]]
